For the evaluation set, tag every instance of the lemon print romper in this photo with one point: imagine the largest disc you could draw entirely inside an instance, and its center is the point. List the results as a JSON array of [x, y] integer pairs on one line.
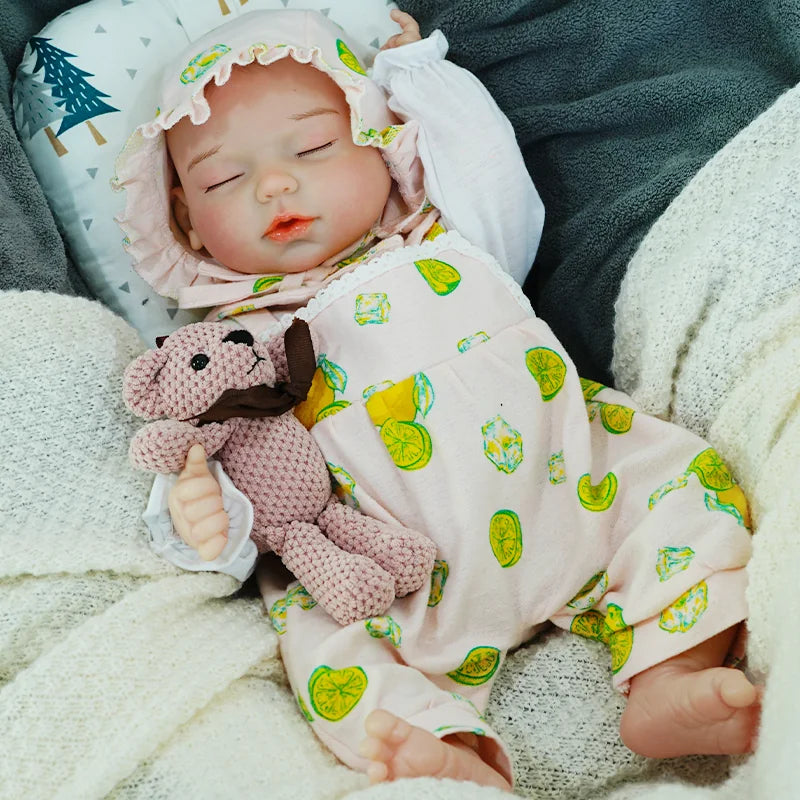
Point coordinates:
[[442, 402]]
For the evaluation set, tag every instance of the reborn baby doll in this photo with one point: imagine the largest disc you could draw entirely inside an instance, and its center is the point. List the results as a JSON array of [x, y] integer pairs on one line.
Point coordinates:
[[220, 389], [440, 399]]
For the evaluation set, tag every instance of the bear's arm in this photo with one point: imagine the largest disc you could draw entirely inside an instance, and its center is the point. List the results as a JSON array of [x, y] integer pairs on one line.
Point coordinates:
[[162, 446]]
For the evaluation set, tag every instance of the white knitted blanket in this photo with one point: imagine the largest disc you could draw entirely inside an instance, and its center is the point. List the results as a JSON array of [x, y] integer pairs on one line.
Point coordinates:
[[121, 677]]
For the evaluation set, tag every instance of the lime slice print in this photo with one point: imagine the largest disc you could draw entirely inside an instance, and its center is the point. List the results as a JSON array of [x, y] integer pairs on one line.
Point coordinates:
[[597, 497], [615, 418], [478, 667], [384, 628], [331, 409], [319, 396], [439, 275], [262, 284], [304, 708], [686, 610], [548, 369], [441, 569], [505, 536], [409, 443], [589, 624], [347, 58], [618, 636], [590, 388], [396, 402], [334, 693], [711, 471], [591, 592]]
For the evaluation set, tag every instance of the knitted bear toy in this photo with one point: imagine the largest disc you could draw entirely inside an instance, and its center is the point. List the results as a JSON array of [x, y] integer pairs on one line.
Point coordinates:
[[219, 387]]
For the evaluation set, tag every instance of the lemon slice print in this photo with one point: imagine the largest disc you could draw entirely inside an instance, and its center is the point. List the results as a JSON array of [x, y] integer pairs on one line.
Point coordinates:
[[590, 388], [299, 596], [304, 708], [591, 592], [202, 62], [345, 485], [319, 396], [712, 471], [435, 230], [505, 536], [439, 275], [441, 569], [548, 369], [347, 58], [334, 693], [388, 134], [277, 615], [618, 636], [478, 667], [396, 402], [589, 624], [597, 497], [735, 497], [331, 409], [615, 418], [409, 443]]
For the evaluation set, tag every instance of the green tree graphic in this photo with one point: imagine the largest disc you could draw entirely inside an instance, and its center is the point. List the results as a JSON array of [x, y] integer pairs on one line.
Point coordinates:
[[36, 109], [70, 88]]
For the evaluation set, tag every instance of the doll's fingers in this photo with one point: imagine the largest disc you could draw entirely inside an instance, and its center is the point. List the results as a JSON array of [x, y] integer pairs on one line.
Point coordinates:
[[405, 21], [197, 488], [212, 548], [209, 528], [392, 41], [195, 463], [198, 510]]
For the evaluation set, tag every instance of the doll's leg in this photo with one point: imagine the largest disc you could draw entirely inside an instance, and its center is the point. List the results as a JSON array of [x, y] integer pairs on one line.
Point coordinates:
[[405, 553], [347, 585], [374, 712]]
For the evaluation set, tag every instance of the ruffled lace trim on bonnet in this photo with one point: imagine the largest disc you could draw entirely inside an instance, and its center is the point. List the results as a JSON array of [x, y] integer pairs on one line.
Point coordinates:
[[160, 251]]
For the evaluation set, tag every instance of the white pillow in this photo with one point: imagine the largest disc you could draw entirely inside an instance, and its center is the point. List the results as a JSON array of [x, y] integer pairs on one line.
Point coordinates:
[[106, 57]]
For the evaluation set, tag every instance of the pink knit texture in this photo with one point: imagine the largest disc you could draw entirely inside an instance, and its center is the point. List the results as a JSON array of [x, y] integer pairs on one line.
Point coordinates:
[[352, 565]]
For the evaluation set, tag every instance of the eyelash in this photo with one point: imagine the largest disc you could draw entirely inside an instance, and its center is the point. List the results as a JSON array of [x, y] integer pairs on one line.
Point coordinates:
[[299, 155]]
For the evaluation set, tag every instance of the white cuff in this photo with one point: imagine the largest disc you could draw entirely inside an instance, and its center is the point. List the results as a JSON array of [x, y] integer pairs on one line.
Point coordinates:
[[239, 556], [408, 56]]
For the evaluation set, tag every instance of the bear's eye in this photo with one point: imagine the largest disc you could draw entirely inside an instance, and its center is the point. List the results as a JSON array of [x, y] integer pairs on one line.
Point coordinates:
[[240, 337], [200, 361]]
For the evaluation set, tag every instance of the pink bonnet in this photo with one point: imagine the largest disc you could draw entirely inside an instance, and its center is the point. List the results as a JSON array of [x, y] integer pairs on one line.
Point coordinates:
[[160, 252]]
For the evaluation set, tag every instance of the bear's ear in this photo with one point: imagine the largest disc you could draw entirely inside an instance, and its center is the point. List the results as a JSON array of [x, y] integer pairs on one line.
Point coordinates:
[[140, 389]]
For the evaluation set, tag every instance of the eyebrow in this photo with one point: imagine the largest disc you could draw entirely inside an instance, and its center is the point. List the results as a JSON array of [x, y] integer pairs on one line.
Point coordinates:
[[201, 156], [314, 112]]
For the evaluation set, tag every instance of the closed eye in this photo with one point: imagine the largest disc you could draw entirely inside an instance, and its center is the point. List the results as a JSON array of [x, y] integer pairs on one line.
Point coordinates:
[[317, 149], [222, 183]]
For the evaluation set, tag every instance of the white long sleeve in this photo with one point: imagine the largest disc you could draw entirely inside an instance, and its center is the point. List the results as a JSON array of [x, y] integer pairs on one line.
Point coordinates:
[[474, 172]]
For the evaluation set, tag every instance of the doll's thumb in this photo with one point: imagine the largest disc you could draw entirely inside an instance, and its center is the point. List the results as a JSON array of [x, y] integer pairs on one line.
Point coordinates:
[[195, 462]]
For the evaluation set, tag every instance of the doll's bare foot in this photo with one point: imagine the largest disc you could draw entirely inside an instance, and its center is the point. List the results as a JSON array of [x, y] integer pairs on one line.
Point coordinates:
[[397, 749], [675, 712]]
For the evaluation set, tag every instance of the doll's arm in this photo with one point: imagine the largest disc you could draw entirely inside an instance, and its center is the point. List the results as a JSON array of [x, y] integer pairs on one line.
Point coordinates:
[[465, 141], [162, 446]]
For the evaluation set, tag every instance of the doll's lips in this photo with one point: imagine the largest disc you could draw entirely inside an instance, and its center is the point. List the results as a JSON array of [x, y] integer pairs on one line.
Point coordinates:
[[287, 227]]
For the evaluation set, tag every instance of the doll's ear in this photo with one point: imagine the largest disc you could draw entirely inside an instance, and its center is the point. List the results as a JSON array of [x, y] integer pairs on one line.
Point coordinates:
[[140, 389], [180, 213]]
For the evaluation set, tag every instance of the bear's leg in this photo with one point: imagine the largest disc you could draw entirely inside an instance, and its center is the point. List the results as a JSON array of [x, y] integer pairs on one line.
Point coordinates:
[[405, 553], [348, 586]]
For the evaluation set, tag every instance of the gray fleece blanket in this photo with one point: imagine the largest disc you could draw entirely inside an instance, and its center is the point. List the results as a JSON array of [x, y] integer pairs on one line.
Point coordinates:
[[32, 254], [616, 105]]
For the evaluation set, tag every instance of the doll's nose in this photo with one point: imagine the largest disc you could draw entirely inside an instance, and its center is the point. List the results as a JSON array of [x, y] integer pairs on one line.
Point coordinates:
[[272, 184]]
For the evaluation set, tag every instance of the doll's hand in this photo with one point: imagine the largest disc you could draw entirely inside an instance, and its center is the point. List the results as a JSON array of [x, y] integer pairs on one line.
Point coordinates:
[[195, 503], [409, 34]]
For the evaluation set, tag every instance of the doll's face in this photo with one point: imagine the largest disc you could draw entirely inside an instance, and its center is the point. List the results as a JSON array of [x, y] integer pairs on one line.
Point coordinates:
[[272, 181]]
